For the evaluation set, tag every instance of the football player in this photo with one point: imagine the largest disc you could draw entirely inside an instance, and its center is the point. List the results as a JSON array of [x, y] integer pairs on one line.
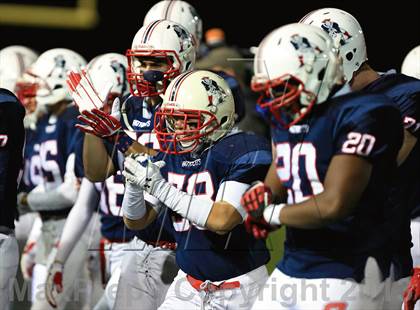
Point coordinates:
[[14, 60], [333, 162], [404, 91], [12, 139], [160, 51], [55, 196], [411, 67], [180, 12], [208, 167], [106, 197]]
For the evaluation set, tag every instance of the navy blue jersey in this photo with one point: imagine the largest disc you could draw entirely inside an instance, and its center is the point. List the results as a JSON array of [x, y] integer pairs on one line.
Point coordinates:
[[364, 125], [137, 121], [55, 142], [32, 164], [205, 255], [55, 136], [12, 139], [405, 93]]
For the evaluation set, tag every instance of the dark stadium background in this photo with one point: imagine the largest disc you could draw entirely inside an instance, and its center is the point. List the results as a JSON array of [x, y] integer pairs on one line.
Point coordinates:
[[392, 29]]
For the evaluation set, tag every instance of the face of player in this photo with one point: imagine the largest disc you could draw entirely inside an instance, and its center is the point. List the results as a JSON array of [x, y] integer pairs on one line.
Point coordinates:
[[151, 71], [143, 64], [185, 128]]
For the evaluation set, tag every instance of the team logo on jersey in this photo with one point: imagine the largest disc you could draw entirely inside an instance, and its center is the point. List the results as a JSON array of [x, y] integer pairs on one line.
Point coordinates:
[[215, 93], [184, 38], [304, 48], [335, 31], [137, 123], [194, 163], [298, 129]]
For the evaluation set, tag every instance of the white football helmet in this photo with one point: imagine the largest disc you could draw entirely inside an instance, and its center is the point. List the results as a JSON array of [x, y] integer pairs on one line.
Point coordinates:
[[14, 60], [109, 69], [198, 109], [411, 63], [49, 74], [296, 66], [180, 12], [164, 41], [346, 33]]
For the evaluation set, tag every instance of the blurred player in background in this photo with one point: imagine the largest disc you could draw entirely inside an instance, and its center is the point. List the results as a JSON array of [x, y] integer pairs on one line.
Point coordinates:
[[56, 194], [107, 73], [12, 139], [411, 67]]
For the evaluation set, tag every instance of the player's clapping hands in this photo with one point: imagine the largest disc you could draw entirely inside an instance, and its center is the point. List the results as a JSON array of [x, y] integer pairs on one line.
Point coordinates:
[[140, 170], [90, 102]]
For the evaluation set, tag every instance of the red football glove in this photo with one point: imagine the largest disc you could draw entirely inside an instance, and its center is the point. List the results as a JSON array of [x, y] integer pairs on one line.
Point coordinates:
[[99, 123], [254, 201], [412, 292]]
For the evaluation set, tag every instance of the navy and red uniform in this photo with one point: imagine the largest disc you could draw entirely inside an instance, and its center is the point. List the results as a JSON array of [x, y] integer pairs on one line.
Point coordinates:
[[12, 140], [203, 254], [404, 91], [364, 125]]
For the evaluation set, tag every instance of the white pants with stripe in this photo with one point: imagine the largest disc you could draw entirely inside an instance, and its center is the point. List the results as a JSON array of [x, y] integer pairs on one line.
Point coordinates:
[[182, 296], [284, 292]]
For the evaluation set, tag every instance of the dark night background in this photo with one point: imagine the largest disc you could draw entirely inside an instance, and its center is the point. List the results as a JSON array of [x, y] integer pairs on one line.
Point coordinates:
[[392, 28]]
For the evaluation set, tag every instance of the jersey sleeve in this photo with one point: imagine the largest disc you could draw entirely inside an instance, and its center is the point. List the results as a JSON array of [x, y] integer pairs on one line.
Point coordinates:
[[410, 110], [369, 132], [249, 167], [77, 149]]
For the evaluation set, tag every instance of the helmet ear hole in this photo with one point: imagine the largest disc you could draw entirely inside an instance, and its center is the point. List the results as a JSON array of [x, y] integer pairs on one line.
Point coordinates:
[[349, 56], [188, 65], [321, 74], [223, 120]]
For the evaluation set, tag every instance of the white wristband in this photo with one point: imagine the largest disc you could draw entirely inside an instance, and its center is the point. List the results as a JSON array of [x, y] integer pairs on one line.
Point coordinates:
[[272, 214], [133, 204]]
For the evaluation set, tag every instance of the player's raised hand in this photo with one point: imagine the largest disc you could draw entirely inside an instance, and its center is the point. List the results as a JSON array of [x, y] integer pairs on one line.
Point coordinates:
[[99, 123], [54, 282], [412, 292], [83, 92], [140, 170]]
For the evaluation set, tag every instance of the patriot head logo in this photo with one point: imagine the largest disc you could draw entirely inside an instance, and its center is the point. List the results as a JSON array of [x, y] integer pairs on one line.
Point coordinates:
[[335, 31], [304, 48], [183, 37], [215, 93], [59, 67]]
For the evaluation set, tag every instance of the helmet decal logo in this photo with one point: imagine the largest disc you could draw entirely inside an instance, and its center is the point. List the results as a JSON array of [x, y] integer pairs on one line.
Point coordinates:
[[305, 50], [119, 69], [335, 31], [59, 66], [216, 94], [183, 37]]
